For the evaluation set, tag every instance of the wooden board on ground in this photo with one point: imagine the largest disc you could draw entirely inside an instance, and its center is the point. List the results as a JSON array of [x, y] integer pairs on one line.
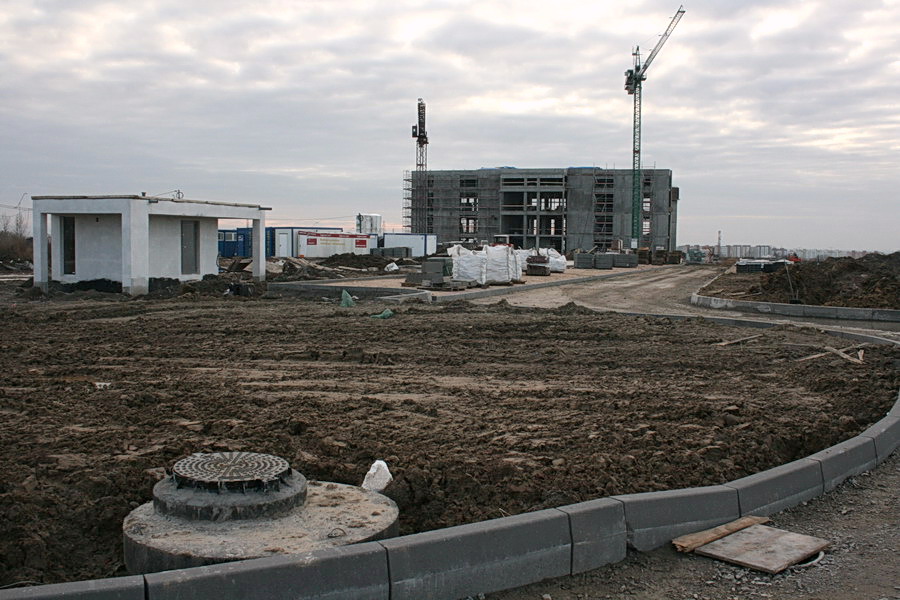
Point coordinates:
[[764, 548], [692, 541]]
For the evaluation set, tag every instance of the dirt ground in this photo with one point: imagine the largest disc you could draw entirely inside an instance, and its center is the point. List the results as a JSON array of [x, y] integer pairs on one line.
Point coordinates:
[[872, 281], [480, 411]]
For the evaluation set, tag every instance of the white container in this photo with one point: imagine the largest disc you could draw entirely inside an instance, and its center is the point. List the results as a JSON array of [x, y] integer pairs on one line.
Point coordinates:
[[419, 244], [313, 244]]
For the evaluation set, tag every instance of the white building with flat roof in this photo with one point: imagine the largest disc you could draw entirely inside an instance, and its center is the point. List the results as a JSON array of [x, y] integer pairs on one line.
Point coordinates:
[[133, 239]]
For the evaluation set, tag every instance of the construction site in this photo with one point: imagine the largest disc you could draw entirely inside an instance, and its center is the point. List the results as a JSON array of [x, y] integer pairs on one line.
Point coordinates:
[[448, 394], [544, 402]]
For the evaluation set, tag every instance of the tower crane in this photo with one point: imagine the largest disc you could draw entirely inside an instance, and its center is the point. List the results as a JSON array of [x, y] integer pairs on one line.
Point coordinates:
[[633, 83], [420, 183]]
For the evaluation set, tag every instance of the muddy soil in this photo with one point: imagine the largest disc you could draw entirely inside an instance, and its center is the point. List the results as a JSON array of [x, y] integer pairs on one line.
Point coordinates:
[[872, 281], [357, 261], [480, 411]]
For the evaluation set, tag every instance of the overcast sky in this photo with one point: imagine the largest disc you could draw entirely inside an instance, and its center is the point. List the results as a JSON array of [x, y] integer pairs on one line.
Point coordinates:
[[779, 119]]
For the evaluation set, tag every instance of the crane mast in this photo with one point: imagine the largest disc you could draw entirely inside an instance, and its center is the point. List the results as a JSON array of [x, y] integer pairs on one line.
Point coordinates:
[[633, 85], [420, 180]]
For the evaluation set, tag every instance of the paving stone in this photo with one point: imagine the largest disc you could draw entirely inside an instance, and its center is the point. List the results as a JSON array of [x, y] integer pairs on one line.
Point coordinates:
[[119, 588], [846, 459], [480, 557], [352, 572], [778, 488], [886, 434], [598, 533], [654, 518]]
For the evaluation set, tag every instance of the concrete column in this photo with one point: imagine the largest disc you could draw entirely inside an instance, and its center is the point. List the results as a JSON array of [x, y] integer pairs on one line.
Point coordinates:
[[56, 248], [259, 248], [135, 248], [40, 254]]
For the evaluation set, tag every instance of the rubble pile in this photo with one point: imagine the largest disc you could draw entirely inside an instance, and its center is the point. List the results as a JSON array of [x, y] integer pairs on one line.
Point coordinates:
[[872, 281]]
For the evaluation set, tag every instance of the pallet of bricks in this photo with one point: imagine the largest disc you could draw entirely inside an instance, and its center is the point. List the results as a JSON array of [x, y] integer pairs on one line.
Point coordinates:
[[437, 273], [537, 265]]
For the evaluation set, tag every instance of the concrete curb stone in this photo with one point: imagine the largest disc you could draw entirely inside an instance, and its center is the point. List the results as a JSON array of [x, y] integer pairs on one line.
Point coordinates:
[[886, 435], [780, 487], [895, 411], [356, 572], [599, 535], [844, 460], [119, 588], [654, 518], [798, 310], [480, 557]]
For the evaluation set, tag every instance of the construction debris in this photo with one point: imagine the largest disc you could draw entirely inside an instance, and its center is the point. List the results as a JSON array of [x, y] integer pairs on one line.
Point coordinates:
[[692, 541], [830, 350], [764, 548], [739, 340]]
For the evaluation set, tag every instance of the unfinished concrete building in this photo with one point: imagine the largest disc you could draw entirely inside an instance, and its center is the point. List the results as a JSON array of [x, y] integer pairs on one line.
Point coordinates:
[[575, 207]]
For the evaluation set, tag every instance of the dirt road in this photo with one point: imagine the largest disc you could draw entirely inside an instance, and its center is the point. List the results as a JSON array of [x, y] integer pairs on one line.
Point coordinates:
[[666, 290]]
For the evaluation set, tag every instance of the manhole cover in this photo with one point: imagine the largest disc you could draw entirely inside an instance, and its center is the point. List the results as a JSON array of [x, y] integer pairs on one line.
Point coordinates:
[[231, 470]]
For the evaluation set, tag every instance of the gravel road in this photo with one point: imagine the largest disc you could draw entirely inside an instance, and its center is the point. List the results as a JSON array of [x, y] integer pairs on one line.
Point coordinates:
[[665, 290]]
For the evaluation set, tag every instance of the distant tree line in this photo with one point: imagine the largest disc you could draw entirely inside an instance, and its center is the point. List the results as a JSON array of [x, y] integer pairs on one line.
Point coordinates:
[[15, 243]]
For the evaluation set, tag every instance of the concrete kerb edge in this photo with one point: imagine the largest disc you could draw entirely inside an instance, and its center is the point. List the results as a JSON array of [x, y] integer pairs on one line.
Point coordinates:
[[885, 435], [895, 411], [797, 310]]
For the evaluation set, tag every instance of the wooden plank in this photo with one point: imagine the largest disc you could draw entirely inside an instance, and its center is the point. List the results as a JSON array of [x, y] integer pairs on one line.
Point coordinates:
[[821, 354], [844, 355], [691, 541], [743, 339], [764, 548]]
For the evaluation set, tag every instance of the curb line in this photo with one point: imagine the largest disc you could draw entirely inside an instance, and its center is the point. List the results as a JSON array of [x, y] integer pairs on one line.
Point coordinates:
[[798, 310]]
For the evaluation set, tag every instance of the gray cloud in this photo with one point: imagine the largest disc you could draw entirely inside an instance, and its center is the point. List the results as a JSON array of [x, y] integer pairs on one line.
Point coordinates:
[[767, 109]]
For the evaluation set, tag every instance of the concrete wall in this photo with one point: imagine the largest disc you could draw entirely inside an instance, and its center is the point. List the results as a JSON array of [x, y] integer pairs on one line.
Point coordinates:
[[165, 247], [98, 248]]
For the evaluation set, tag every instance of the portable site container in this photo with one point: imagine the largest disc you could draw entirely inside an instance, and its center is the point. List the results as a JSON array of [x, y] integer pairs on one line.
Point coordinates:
[[279, 241], [282, 241], [314, 244], [420, 244]]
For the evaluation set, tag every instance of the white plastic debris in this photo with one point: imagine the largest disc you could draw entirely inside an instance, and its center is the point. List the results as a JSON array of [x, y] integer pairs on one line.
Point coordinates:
[[378, 477], [391, 267]]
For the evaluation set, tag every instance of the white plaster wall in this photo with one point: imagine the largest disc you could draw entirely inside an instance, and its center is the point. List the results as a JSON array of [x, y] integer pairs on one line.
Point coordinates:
[[98, 249], [165, 247]]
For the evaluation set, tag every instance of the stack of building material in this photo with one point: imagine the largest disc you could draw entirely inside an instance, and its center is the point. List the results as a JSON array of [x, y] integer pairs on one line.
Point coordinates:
[[675, 257], [500, 265], [556, 260], [625, 260], [583, 260], [643, 256], [603, 261], [538, 265]]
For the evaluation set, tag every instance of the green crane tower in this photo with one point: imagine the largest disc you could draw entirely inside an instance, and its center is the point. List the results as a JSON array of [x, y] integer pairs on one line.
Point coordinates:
[[633, 83]]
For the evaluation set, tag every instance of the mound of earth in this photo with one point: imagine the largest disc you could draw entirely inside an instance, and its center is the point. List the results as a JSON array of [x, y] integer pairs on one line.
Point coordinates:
[[479, 411], [872, 281], [357, 261]]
